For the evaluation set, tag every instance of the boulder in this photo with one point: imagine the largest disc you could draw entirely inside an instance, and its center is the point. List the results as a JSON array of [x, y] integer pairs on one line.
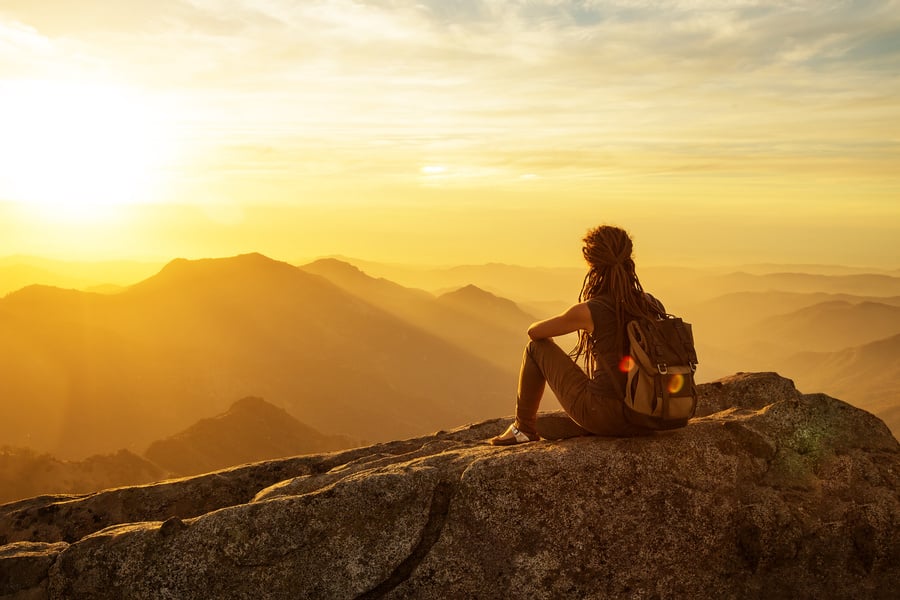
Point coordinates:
[[23, 575], [744, 390], [778, 496]]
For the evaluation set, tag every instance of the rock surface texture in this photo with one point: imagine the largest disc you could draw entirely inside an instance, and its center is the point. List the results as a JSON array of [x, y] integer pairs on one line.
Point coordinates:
[[767, 494]]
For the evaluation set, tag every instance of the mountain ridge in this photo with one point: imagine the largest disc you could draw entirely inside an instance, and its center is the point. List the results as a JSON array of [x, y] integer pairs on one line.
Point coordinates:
[[834, 325], [222, 317], [868, 375], [25, 473], [251, 430], [497, 337], [181, 343], [20, 270]]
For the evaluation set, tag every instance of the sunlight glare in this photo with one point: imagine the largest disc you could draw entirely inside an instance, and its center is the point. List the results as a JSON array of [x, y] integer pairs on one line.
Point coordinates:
[[676, 383], [77, 151]]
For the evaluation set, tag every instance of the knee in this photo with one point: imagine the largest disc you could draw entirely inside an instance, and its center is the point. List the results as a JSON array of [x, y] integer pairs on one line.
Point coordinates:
[[534, 345]]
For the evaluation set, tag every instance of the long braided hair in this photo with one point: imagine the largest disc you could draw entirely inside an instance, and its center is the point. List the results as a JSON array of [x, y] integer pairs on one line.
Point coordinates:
[[607, 250]]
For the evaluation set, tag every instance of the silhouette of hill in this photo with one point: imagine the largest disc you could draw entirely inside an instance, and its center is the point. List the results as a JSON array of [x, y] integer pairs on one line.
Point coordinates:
[[518, 283], [831, 326], [754, 306], [548, 289], [810, 269], [20, 271], [94, 372], [481, 323], [381, 291], [681, 288], [15, 276], [867, 376], [485, 306], [25, 473], [250, 430], [753, 330], [870, 284]]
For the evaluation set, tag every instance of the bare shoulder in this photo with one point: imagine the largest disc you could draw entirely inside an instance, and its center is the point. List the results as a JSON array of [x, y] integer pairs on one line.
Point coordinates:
[[576, 317]]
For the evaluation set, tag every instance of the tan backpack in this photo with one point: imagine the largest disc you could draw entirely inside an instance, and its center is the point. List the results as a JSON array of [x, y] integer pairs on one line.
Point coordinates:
[[660, 391]]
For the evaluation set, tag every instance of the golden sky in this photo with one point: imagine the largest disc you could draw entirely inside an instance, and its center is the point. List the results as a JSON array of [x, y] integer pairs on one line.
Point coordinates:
[[717, 131]]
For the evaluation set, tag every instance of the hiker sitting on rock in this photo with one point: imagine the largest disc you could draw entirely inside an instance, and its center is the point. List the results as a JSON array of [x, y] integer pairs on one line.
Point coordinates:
[[610, 297]]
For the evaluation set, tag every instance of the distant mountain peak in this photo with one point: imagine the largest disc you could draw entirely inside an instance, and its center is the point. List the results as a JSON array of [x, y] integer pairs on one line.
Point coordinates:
[[183, 271], [251, 429], [240, 260], [473, 299], [249, 403], [349, 276], [38, 296], [254, 406], [334, 265], [471, 293], [472, 290]]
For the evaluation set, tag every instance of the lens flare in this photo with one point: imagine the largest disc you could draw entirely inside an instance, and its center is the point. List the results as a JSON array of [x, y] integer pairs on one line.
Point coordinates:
[[676, 382], [626, 364]]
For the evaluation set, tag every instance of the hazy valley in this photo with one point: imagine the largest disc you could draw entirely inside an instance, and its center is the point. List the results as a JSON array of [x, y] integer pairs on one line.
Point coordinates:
[[145, 378]]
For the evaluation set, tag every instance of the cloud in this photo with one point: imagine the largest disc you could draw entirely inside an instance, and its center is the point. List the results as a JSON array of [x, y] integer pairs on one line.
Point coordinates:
[[88, 18], [635, 38], [498, 82]]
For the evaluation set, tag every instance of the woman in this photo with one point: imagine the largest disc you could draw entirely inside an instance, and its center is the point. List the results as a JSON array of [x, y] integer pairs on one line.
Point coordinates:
[[610, 296]]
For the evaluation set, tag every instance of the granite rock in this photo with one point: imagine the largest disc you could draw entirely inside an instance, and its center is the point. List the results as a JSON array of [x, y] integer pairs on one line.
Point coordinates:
[[774, 494]]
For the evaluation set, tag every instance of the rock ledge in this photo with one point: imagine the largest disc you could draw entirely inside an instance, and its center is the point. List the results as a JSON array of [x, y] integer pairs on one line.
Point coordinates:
[[769, 493]]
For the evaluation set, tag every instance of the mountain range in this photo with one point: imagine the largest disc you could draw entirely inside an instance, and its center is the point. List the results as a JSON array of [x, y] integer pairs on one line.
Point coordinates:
[[19, 271], [525, 285], [90, 372], [860, 284], [866, 375], [760, 330], [473, 319], [351, 351], [25, 473], [251, 430]]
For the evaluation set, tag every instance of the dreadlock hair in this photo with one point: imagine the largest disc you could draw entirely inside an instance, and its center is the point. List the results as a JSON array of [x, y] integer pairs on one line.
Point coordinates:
[[607, 250]]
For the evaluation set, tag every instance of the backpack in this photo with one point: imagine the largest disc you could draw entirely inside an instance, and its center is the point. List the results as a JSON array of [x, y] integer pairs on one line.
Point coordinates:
[[660, 392]]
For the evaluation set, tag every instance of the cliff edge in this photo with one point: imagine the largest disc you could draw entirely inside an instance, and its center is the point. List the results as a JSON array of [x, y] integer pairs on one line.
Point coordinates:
[[767, 493]]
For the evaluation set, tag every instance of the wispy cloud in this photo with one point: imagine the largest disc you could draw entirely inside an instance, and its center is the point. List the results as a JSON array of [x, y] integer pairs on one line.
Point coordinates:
[[625, 84]]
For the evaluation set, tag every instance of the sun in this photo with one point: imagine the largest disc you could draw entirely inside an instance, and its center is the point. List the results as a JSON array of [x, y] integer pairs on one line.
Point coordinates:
[[78, 151]]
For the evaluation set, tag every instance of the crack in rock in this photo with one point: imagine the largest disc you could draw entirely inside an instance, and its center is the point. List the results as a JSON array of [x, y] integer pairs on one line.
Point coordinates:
[[437, 517]]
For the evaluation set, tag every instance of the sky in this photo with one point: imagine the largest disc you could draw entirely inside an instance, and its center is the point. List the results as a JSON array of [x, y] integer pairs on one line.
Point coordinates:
[[435, 132]]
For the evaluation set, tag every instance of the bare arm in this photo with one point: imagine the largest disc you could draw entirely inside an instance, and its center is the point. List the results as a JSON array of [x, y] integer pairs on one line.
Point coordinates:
[[575, 318]]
